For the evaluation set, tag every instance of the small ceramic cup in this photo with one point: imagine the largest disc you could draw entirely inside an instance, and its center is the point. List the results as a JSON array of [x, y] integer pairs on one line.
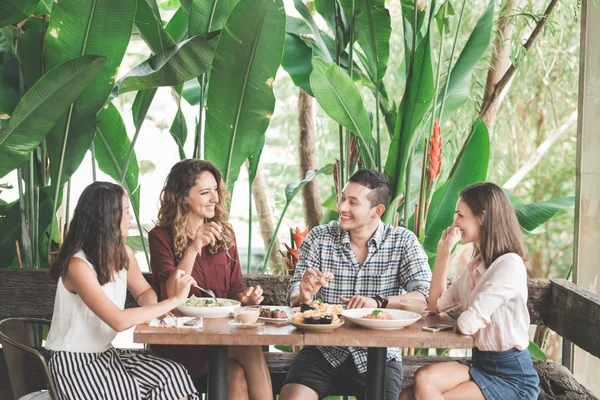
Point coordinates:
[[247, 314], [414, 305]]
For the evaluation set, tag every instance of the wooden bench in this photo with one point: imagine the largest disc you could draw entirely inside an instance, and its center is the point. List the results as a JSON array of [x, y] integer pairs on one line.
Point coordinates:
[[558, 304]]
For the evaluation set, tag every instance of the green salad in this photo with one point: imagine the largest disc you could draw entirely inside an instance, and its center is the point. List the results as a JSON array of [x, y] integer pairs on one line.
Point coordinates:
[[204, 302]]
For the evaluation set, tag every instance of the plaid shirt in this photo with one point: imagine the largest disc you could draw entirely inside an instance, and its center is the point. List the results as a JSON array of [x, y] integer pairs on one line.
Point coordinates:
[[395, 263]]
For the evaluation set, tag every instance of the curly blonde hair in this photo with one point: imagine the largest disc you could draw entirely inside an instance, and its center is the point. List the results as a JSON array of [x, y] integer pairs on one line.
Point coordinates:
[[174, 208]]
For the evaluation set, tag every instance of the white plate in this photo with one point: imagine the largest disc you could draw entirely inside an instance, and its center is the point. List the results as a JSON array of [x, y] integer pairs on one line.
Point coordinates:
[[239, 324], [316, 327], [210, 312], [402, 318], [275, 320]]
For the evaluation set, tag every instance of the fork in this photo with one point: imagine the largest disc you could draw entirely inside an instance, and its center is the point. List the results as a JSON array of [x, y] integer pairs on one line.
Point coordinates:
[[209, 292]]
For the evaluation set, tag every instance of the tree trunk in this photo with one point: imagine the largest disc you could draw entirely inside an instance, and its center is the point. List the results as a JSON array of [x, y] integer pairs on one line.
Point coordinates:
[[307, 154], [500, 61], [503, 71], [265, 220]]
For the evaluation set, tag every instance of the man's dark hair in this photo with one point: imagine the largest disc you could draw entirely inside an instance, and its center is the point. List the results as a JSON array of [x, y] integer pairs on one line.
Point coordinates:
[[381, 190]]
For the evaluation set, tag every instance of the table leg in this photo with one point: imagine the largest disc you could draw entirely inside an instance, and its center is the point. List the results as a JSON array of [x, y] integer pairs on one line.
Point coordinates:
[[217, 373], [376, 373]]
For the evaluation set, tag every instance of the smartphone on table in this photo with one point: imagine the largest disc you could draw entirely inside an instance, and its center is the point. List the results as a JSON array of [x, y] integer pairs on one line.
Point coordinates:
[[438, 328]]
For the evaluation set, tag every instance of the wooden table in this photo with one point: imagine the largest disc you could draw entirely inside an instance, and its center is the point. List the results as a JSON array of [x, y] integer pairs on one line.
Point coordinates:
[[218, 334]]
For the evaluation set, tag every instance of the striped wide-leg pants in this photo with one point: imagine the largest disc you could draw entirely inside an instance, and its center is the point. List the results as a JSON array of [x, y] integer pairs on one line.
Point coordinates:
[[118, 374]]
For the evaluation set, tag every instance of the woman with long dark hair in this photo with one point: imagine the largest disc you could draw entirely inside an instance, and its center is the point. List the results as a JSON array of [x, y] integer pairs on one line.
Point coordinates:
[[192, 235], [94, 269], [492, 292]]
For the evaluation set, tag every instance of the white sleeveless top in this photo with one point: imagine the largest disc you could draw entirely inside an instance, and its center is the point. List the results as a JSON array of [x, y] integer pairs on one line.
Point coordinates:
[[75, 327]]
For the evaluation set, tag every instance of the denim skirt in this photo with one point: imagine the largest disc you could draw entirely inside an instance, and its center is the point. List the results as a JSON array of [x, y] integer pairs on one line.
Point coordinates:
[[504, 375]]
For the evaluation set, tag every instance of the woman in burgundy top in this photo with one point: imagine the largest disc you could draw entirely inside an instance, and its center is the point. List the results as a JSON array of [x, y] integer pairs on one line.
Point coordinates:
[[192, 234]]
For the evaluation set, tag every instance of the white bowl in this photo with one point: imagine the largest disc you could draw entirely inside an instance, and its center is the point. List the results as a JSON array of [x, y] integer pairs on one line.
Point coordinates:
[[210, 312], [402, 318]]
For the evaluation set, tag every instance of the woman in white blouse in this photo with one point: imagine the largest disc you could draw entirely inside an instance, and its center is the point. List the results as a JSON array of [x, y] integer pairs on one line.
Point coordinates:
[[492, 292]]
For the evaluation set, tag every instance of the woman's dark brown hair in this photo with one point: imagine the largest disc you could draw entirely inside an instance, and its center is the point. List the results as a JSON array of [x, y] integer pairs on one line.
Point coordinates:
[[500, 231], [96, 229], [172, 214]]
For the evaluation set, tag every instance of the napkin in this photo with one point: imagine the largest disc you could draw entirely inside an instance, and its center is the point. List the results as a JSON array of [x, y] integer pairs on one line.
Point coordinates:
[[177, 322]]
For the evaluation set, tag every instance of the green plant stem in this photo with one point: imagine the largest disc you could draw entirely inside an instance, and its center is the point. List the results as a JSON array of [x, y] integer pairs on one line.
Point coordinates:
[[67, 210], [198, 140], [378, 152], [273, 239], [32, 217], [460, 18], [425, 183], [93, 149], [342, 169], [249, 224], [59, 177], [139, 225], [351, 73]]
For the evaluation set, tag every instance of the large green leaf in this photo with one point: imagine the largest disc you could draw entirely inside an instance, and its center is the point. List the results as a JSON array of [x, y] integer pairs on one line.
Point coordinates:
[[297, 56], [240, 95], [418, 95], [11, 224], [177, 27], [321, 47], [112, 144], [341, 26], [374, 31], [537, 354], [339, 97], [209, 15], [148, 23], [178, 129], [254, 159], [174, 66], [533, 215], [474, 49], [42, 106], [409, 27], [470, 167], [9, 82], [13, 11], [79, 27]]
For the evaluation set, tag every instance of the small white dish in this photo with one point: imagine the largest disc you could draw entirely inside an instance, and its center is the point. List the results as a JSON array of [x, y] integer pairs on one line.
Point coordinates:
[[273, 320], [239, 324], [401, 318]]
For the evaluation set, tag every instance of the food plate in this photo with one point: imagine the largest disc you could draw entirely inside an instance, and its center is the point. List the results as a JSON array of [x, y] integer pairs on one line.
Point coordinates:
[[401, 318], [316, 327], [208, 311], [239, 324], [270, 320]]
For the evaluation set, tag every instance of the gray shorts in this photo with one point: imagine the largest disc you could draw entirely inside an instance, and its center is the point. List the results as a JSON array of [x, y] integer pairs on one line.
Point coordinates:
[[311, 369]]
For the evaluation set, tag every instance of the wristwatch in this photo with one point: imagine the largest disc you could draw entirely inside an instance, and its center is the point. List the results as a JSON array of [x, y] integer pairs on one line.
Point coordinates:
[[381, 300]]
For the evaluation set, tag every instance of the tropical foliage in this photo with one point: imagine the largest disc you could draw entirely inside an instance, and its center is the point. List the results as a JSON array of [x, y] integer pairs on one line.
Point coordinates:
[[60, 60]]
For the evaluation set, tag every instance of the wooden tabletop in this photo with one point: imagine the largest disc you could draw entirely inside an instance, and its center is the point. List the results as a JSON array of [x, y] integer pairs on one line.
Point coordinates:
[[218, 331]]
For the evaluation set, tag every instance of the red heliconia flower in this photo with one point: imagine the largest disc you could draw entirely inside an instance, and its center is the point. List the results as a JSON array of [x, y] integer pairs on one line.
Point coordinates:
[[435, 153], [292, 252], [299, 236]]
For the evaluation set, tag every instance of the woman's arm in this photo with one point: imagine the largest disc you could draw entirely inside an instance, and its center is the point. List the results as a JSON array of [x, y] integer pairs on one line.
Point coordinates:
[[81, 279], [136, 283], [440, 268]]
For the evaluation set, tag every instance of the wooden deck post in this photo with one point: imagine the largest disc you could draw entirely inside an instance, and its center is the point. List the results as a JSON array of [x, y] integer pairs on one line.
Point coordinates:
[[587, 208]]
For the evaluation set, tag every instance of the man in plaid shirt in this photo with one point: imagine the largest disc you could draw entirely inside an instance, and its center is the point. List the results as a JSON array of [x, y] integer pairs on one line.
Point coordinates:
[[374, 266]]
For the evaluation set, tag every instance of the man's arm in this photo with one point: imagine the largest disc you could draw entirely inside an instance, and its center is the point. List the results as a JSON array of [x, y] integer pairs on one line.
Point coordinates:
[[414, 273], [306, 280]]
